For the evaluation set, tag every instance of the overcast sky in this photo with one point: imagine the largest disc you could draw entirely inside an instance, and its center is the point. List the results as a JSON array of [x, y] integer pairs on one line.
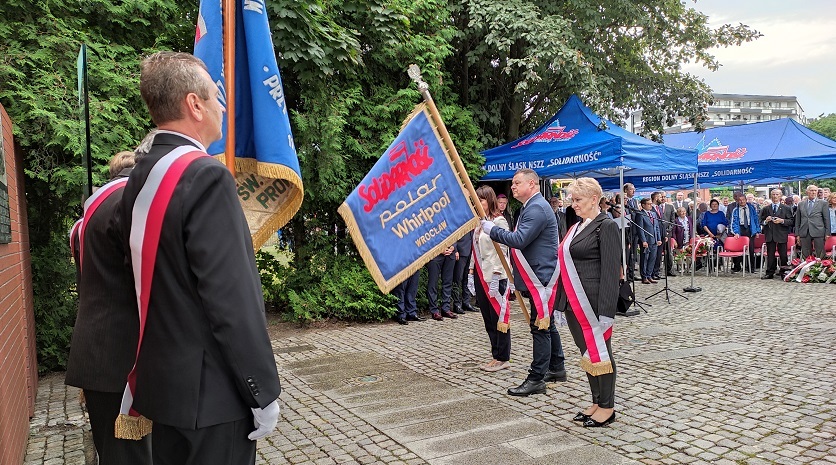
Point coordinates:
[[796, 55]]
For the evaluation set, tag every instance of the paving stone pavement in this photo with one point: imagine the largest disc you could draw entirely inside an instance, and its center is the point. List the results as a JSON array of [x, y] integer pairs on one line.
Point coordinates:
[[737, 374]]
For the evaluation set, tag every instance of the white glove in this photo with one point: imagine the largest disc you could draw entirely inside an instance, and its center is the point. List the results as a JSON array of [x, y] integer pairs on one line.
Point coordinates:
[[470, 285], [511, 286], [493, 287], [265, 420], [605, 321], [560, 319], [487, 226]]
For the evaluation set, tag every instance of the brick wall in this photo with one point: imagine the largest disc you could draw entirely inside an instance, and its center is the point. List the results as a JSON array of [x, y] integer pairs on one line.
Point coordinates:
[[18, 363]]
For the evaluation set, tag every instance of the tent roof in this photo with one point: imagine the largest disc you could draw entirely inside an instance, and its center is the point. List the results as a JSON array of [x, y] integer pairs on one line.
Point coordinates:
[[766, 152], [577, 142]]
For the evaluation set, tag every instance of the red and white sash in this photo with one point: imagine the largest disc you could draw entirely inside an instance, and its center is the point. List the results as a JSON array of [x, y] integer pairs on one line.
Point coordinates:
[[73, 234], [146, 225], [542, 296], [501, 305], [596, 360], [90, 206]]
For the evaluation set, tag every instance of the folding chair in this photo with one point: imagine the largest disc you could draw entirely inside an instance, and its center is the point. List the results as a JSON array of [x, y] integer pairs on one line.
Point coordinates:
[[790, 252], [830, 247], [735, 247]]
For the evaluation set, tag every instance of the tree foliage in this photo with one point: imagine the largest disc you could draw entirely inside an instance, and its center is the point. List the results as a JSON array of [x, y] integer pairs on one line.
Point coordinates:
[[517, 61], [825, 125], [39, 44]]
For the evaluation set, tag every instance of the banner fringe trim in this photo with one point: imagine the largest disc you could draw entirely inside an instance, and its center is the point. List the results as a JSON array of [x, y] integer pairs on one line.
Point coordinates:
[[134, 428], [596, 369]]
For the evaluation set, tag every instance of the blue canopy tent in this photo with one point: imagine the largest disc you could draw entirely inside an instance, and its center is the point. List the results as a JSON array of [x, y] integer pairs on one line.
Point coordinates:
[[577, 142], [766, 153]]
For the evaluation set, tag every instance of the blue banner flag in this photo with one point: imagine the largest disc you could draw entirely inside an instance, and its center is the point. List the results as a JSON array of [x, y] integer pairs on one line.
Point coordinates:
[[267, 168], [410, 207]]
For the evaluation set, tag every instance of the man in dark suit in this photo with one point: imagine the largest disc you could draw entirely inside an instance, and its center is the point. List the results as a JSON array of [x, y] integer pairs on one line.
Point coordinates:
[[107, 325], [812, 223], [631, 235], [440, 270], [560, 216], [666, 213], [650, 238], [777, 219], [461, 294], [535, 241], [682, 202], [205, 373]]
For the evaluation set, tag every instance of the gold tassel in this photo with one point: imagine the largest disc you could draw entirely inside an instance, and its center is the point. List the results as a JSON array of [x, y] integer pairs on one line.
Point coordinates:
[[502, 327], [135, 428], [596, 369], [81, 399], [543, 323]]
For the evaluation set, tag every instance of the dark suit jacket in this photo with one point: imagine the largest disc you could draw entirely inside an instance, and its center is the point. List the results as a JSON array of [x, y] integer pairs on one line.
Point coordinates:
[[677, 204], [206, 358], [535, 237], [561, 224], [596, 253], [813, 222], [464, 245], [650, 230], [106, 328], [777, 232]]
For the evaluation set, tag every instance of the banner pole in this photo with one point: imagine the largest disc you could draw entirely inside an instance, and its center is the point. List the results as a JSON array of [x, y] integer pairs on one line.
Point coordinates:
[[415, 74], [229, 78]]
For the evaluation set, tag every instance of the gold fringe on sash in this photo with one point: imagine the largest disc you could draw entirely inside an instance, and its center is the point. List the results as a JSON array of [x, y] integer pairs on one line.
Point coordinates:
[[502, 327], [135, 428], [81, 399], [596, 369], [543, 323]]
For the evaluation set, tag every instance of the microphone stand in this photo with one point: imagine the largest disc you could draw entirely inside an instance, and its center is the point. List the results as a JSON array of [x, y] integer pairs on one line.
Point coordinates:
[[633, 282], [667, 247]]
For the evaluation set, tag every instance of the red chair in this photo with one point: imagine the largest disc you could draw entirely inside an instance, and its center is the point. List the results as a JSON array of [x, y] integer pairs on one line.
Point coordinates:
[[757, 248], [790, 252], [830, 246], [735, 247]]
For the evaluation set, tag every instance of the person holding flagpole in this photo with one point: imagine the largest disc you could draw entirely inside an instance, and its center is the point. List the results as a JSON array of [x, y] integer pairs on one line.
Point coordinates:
[[587, 293], [491, 285], [534, 253], [204, 371]]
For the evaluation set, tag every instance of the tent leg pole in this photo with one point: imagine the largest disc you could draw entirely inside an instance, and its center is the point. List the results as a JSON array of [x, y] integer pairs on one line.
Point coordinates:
[[693, 288]]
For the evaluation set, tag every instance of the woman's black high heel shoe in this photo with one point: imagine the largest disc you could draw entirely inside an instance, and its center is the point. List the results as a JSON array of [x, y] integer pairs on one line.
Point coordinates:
[[581, 417], [590, 423]]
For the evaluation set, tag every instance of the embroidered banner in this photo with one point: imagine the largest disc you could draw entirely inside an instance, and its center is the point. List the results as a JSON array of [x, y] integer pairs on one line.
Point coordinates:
[[266, 166], [410, 206]]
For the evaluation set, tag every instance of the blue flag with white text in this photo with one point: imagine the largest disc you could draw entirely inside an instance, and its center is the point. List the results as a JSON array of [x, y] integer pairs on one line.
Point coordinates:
[[267, 167], [410, 206]]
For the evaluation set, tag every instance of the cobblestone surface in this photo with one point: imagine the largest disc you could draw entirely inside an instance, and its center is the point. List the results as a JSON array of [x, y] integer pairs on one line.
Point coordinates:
[[737, 374]]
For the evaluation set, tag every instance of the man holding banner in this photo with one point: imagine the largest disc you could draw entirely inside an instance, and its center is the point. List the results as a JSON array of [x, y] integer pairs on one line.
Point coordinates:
[[533, 245]]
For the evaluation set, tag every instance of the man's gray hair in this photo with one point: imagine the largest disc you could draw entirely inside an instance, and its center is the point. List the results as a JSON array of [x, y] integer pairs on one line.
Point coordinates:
[[165, 79]]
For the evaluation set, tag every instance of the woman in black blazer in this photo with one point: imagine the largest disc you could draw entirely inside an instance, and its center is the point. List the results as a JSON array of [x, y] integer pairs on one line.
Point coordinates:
[[590, 269]]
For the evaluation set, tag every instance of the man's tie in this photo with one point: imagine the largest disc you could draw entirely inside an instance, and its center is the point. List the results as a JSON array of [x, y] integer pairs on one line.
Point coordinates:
[[774, 208]]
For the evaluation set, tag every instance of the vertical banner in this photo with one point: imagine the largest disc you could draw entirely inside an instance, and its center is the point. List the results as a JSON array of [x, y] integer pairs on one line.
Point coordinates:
[[410, 206], [266, 166]]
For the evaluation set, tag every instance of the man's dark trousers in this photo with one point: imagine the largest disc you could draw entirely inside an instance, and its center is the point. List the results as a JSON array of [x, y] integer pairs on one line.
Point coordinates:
[[548, 351], [442, 266]]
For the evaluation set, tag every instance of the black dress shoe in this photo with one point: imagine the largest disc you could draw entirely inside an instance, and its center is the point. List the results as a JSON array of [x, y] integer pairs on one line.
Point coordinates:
[[437, 317], [656, 277], [415, 318], [449, 314], [528, 387], [671, 273], [458, 311], [555, 376], [590, 423], [767, 276], [401, 321], [581, 417], [469, 308]]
